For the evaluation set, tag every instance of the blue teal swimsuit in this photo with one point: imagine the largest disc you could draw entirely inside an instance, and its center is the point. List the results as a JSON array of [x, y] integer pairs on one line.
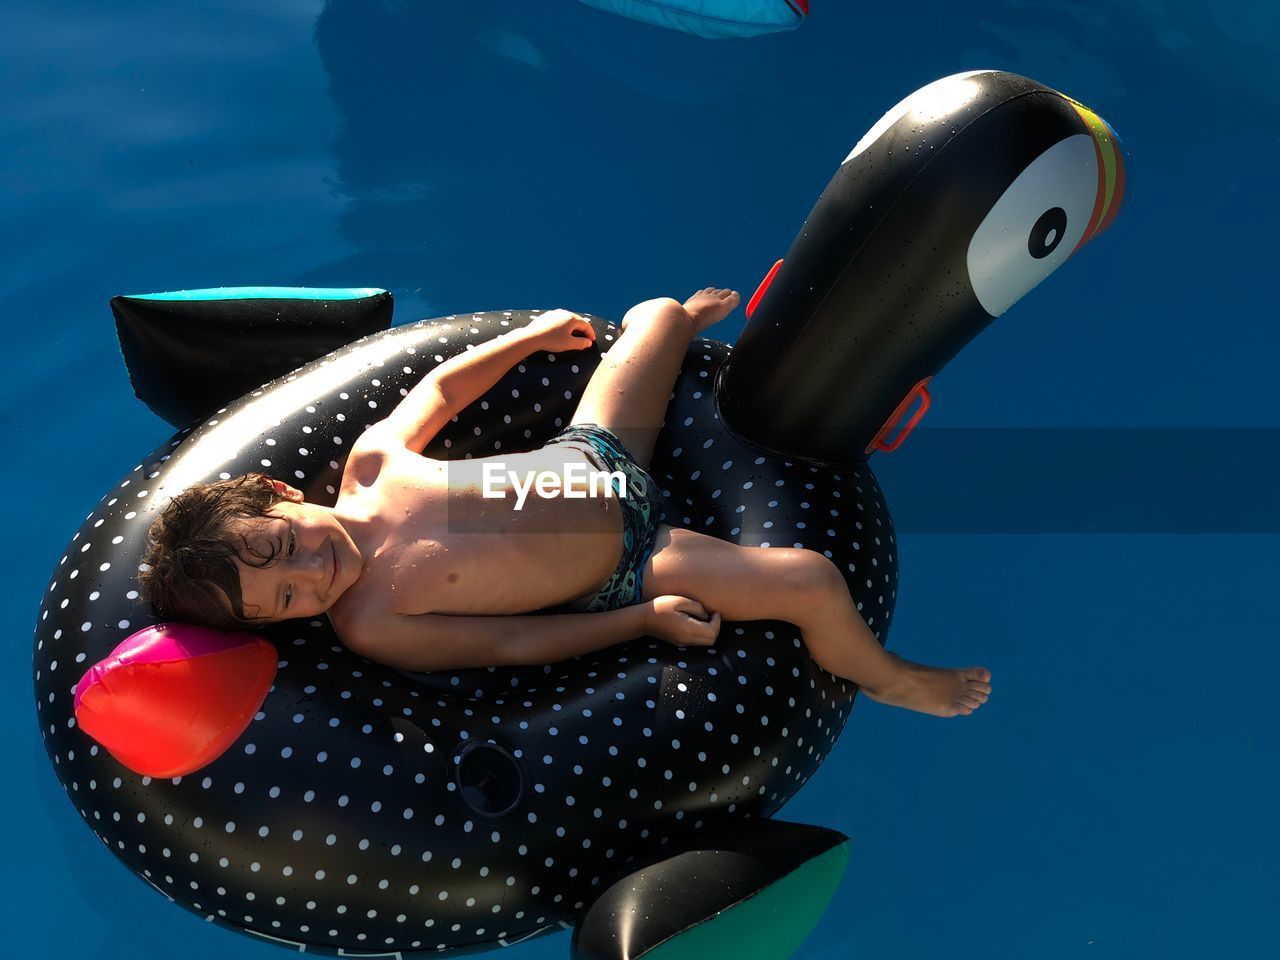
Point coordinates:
[[641, 511]]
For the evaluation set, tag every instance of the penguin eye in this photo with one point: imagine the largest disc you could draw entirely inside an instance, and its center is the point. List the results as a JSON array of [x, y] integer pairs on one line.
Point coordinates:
[[1035, 224], [1047, 233]]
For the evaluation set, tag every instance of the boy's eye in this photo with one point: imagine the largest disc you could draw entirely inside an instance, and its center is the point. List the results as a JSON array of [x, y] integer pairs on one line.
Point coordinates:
[[293, 540], [288, 596]]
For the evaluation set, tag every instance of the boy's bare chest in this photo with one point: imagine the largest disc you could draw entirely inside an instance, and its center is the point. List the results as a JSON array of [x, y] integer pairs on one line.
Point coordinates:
[[453, 537]]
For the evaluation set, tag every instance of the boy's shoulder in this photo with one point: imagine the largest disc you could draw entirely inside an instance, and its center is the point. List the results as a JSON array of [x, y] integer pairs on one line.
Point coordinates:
[[382, 484], [378, 445]]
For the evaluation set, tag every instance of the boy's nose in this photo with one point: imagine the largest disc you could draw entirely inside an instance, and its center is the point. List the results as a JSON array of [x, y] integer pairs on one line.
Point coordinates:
[[312, 565]]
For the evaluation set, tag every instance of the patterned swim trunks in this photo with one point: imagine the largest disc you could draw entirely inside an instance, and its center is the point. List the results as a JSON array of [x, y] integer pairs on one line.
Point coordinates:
[[641, 510]]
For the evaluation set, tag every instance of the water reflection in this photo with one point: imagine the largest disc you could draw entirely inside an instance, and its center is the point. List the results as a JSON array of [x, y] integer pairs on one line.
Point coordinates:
[[514, 154]]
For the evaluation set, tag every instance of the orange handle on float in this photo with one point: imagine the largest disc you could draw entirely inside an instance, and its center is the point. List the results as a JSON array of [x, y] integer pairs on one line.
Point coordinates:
[[920, 390], [764, 285]]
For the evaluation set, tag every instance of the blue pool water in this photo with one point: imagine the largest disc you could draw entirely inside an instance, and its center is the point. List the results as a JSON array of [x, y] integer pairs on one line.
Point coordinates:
[[1116, 797]]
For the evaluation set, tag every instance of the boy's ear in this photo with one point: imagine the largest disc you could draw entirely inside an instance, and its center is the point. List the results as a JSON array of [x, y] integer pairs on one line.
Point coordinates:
[[284, 490]]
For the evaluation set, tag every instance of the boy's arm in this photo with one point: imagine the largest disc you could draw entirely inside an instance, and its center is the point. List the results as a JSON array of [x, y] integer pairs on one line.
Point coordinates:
[[437, 641], [451, 387], [458, 382]]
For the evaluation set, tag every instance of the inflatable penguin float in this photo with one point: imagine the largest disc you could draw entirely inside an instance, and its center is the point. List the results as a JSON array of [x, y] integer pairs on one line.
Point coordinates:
[[281, 785]]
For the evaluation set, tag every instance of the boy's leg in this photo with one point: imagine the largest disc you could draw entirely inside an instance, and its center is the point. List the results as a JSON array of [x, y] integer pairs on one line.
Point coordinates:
[[804, 588], [629, 392]]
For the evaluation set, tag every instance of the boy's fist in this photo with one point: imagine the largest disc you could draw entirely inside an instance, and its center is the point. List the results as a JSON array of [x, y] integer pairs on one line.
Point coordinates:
[[559, 330], [681, 621]]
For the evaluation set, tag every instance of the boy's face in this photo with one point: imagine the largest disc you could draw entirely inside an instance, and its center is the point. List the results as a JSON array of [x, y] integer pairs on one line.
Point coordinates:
[[315, 560]]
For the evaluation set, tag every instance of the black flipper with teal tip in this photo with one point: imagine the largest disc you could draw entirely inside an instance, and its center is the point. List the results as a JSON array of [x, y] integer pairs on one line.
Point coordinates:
[[191, 352], [761, 889]]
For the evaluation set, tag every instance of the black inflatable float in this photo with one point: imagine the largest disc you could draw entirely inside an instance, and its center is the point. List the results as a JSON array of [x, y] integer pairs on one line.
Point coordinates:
[[626, 793]]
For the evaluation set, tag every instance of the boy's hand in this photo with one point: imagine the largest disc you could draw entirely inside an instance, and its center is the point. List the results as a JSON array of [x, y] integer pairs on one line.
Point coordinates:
[[681, 621], [558, 330]]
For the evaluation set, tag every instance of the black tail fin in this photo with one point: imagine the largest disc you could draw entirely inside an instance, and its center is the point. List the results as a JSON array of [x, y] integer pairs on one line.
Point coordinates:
[[190, 353]]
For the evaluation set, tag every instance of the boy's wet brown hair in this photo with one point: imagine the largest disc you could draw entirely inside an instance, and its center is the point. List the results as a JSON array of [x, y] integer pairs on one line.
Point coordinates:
[[189, 570]]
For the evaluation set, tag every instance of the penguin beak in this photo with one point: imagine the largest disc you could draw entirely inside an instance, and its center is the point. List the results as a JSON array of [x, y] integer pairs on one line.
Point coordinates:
[[1111, 174]]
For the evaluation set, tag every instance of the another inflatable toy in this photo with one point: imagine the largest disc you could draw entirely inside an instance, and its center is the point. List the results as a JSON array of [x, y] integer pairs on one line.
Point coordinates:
[[173, 697], [713, 19], [627, 794]]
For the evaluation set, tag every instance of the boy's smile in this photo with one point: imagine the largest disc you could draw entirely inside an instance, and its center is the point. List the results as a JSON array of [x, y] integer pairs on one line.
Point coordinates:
[[308, 560]]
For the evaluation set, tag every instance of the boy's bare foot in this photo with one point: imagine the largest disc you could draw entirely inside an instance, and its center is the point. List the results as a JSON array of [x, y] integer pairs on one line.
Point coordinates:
[[710, 305], [935, 690], [705, 307]]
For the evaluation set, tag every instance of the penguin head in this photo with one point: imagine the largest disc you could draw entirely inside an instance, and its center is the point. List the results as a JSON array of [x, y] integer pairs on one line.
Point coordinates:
[[1040, 173], [1061, 200], [956, 203]]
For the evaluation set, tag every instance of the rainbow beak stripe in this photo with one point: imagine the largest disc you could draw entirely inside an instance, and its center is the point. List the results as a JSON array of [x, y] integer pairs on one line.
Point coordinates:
[[1110, 173]]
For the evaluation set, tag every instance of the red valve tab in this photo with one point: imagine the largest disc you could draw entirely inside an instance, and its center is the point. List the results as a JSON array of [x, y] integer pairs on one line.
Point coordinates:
[[920, 390], [764, 285]]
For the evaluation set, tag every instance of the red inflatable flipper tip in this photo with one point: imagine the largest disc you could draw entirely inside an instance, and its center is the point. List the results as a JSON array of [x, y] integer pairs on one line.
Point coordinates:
[[172, 698]]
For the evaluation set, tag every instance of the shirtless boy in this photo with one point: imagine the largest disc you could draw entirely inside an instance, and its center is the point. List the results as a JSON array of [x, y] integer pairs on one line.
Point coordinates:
[[418, 569]]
